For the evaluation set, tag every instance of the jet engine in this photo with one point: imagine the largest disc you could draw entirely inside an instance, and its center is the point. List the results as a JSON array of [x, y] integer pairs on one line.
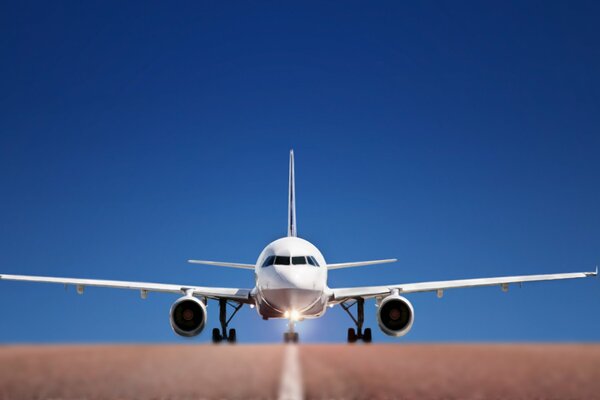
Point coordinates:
[[395, 315], [188, 316]]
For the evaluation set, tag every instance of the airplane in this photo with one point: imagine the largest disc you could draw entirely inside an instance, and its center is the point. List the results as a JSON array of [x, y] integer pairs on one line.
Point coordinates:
[[291, 283]]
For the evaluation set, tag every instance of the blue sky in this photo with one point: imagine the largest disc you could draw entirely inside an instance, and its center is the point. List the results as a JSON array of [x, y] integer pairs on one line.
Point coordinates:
[[462, 139]]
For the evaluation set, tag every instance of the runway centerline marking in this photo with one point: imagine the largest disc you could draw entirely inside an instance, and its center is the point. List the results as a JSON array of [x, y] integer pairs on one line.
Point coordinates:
[[290, 386]]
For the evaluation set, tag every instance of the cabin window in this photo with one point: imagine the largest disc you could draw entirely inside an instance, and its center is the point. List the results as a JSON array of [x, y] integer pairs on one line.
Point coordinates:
[[269, 261], [282, 260], [301, 260]]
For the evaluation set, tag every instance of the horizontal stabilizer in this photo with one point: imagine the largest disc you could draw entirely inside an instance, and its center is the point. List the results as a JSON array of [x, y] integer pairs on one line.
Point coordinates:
[[360, 263], [222, 264]]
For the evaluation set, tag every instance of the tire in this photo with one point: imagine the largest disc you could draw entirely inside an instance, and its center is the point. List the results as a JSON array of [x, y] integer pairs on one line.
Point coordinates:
[[351, 335], [286, 337], [232, 338], [295, 337], [367, 336], [216, 335]]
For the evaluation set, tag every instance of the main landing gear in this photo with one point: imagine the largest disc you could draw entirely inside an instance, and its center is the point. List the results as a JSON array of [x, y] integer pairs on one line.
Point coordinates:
[[291, 336], [358, 334], [220, 335]]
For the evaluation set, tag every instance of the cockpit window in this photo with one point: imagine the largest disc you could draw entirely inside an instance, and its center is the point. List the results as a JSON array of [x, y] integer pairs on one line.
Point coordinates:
[[282, 260], [299, 260], [285, 260], [269, 261], [312, 261]]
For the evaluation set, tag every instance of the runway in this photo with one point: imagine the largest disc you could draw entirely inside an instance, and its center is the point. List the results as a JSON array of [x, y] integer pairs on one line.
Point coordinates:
[[454, 371]]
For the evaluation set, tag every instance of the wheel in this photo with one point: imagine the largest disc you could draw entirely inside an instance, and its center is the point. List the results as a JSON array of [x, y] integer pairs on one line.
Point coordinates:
[[286, 337], [216, 335], [351, 335], [367, 337], [232, 338], [295, 337]]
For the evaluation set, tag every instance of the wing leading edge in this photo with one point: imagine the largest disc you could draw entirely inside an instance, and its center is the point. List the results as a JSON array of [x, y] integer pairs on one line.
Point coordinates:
[[241, 295], [374, 291]]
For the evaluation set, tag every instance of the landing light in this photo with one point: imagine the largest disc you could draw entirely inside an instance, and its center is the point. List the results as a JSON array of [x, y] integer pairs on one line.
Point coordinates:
[[293, 315]]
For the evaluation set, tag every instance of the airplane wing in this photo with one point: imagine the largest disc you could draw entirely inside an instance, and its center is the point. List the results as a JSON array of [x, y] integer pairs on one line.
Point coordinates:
[[240, 295], [222, 264], [360, 263], [343, 294]]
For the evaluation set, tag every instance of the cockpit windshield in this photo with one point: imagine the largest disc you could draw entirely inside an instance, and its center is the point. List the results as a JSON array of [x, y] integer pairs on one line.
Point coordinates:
[[299, 260], [269, 261], [312, 261], [285, 260], [282, 260]]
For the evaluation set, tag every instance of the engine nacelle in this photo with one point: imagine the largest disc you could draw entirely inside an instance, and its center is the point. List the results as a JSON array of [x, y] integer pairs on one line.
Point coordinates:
[[188, 316], [395, 315]]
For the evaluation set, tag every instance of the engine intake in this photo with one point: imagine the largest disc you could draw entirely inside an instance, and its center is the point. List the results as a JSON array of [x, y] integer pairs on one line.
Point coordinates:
[[395, 315], [188, 316]]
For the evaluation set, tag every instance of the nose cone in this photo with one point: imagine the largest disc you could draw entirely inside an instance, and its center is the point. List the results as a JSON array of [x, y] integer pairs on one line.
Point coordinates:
[[293, 287], [291, 299], [297, 277]]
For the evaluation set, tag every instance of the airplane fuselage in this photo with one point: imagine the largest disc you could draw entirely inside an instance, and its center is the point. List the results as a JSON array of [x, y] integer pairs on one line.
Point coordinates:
[[291, 280]]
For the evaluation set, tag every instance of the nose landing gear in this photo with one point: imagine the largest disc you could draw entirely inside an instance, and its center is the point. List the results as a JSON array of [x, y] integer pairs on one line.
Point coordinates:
[[358, 334], [291, 336], [219, 335]]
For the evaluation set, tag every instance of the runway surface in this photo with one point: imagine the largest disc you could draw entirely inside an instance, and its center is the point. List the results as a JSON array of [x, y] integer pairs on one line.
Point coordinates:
[[522, 371]]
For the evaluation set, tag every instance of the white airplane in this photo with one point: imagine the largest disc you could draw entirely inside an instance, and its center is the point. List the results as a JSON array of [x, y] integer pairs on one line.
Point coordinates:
[[291, 283]]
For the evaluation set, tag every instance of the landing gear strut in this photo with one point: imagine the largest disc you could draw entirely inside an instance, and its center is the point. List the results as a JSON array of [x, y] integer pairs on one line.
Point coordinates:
[[291, 336], [220, 335], [358, 334]]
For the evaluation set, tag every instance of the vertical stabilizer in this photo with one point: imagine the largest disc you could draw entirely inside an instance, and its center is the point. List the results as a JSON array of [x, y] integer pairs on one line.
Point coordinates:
[[292, 199]]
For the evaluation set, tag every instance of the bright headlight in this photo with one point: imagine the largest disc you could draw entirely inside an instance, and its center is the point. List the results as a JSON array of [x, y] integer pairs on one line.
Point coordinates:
[[295, 315]]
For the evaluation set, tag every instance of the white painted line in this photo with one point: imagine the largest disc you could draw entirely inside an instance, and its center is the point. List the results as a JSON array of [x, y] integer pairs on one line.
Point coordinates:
[[290, 386]]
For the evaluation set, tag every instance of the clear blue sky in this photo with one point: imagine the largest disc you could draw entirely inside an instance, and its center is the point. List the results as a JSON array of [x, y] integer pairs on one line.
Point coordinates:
[[461, 138]]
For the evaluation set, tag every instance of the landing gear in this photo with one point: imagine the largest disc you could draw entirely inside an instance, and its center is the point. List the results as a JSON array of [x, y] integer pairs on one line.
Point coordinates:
[[351, 335], [291, 336], [358, 334], [219, 335], [367, 337], [216, 335], [232, 338]]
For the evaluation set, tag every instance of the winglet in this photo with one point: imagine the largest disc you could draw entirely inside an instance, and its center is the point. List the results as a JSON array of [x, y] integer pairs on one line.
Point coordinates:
[[595, 273], [292, 199]]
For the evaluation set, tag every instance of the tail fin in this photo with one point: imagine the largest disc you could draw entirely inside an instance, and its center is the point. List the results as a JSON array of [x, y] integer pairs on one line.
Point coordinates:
[[292, 199]]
